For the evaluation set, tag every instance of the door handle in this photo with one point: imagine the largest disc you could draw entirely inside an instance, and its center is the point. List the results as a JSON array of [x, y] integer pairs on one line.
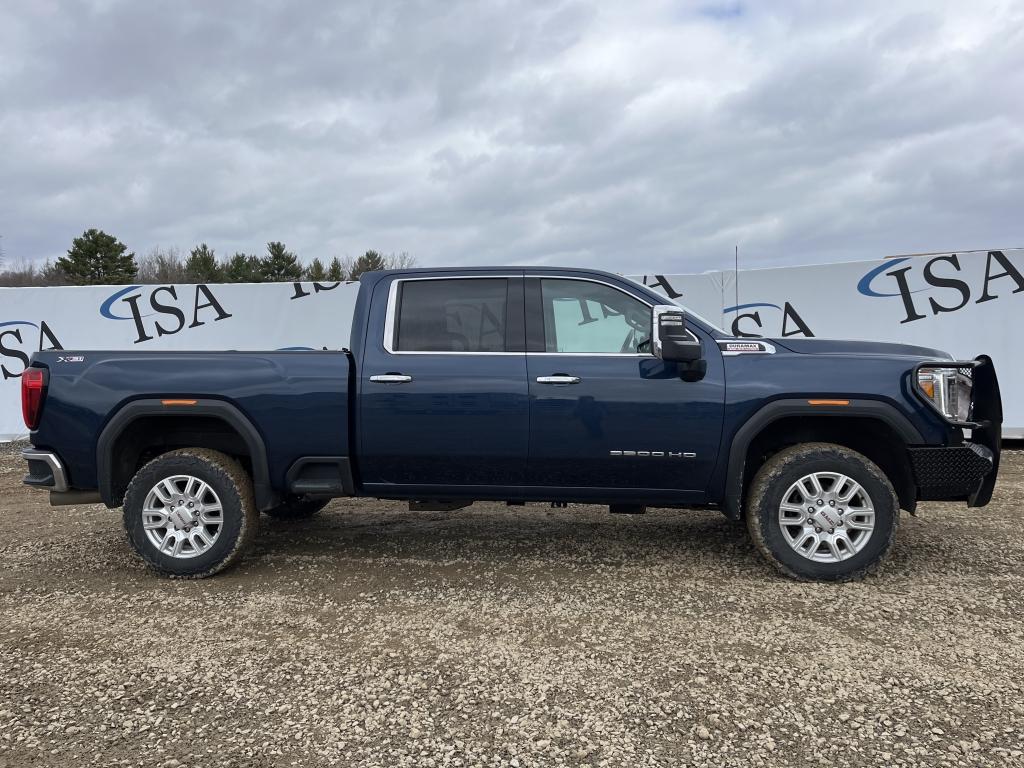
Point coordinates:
[[391, 378], [558, 378]]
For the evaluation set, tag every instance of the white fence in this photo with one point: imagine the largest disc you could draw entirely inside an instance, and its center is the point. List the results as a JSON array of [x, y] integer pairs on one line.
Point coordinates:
[[965, 303]]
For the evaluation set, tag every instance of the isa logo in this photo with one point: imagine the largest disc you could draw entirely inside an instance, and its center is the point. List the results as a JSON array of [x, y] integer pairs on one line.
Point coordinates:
[[751, 319], [18, 340], [948, 286], [158, 311]]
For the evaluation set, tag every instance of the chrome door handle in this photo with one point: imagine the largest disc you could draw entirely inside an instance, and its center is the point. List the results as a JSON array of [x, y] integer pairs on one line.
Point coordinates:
[[390, 378], [560, 378]]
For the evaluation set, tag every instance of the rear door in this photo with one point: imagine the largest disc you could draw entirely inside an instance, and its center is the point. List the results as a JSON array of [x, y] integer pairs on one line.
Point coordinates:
[[606, 413], [443, 393]]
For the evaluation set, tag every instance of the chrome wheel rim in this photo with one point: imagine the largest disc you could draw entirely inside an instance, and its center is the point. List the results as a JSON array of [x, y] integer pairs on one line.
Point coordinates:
[[826, 517], [182, 516]]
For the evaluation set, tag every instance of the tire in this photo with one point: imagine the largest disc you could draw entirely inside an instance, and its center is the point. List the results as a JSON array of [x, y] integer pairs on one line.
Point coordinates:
[[297, 508], [804, 546], [160, 496]]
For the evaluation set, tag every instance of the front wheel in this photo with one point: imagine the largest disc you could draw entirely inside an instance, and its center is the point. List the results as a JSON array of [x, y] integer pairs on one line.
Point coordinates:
[[822, 512], [190, 513]]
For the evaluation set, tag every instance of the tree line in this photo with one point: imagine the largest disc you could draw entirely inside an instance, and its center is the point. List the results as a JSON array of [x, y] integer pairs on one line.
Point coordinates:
[[96, 258]]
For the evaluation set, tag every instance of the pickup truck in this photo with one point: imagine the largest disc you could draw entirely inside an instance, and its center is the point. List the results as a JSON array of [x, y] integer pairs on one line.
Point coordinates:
[[519, 385]]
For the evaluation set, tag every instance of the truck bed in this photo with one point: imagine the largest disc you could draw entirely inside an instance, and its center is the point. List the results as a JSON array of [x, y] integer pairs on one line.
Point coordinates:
[[275, 390]]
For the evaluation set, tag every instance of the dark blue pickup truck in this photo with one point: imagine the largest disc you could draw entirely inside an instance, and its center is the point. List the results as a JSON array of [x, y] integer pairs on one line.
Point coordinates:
[[518, 385]]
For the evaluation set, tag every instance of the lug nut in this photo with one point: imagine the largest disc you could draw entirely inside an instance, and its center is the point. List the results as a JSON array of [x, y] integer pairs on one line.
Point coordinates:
[[821, 503], [817, 529], [831, 503]]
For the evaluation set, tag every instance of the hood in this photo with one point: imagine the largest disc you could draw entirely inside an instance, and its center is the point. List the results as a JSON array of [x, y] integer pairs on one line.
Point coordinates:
[[815, 346]]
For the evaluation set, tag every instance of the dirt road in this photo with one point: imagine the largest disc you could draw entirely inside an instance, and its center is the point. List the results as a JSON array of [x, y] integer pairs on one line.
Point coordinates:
[[509, 636]]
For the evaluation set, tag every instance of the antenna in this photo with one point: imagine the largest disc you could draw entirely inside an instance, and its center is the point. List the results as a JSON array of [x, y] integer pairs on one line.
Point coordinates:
[[736, 273], [721, 297]]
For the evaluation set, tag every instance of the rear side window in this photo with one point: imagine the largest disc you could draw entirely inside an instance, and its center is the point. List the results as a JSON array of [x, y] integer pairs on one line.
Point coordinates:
[[451, 315]]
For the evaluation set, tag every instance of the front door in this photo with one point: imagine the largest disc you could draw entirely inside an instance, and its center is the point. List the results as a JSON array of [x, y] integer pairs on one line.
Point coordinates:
[[606, 413], [443, 394]]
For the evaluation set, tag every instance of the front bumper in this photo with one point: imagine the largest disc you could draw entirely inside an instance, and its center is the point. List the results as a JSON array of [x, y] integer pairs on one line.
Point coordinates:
[[954, 473], [45, 470], [965, 472]]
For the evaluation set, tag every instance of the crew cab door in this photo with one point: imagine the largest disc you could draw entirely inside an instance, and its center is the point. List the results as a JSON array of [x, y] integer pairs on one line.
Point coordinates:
[[606, 413], [442, 392]]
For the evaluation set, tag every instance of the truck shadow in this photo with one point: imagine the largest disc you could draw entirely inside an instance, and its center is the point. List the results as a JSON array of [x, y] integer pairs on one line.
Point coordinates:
[[495, 533], [489, 534]]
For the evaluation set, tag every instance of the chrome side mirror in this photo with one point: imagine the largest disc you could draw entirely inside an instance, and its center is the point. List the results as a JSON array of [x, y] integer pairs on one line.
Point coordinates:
[[670, 341]]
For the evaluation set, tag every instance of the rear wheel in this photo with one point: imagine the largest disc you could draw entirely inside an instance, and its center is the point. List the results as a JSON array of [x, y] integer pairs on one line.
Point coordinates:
[[190, 513], [297, 508], [822, 512]]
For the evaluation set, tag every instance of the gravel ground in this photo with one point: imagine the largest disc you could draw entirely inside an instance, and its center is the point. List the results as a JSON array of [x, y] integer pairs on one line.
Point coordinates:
[[508, 636]]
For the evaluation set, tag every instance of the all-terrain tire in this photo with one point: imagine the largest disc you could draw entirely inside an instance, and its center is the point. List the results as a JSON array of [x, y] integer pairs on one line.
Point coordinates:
[[785, 468], [232, 486], [296, 508]]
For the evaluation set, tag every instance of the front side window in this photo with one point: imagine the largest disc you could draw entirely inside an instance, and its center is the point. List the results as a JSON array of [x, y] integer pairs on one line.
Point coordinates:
[[586, 317], [451, 315]]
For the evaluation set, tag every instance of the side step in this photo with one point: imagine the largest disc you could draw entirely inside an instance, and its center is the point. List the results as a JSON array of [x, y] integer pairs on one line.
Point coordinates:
[[321, 476]]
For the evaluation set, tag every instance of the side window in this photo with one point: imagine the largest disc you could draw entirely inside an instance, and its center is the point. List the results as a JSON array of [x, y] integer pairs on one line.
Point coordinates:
[[581, 316], [451, 315]]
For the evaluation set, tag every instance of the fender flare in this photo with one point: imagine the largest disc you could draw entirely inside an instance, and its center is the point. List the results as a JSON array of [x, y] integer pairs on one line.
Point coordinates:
[[732, 500], [262, 489]]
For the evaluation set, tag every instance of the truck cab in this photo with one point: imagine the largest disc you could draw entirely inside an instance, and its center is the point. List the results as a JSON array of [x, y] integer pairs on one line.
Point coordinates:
[[542, 384]]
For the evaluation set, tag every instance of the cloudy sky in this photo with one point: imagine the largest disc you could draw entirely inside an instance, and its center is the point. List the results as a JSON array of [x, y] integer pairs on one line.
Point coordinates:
[[633, 136]]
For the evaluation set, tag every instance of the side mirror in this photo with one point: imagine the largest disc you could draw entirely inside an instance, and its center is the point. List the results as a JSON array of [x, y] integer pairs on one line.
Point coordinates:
[[670, 340]]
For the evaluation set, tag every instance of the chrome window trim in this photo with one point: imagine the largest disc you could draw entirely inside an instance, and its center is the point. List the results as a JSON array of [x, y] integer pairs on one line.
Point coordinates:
[[392, 310], [594, 354]]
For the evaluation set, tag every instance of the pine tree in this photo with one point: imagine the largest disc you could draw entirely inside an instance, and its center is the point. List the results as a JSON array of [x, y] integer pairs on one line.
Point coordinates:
[[280, 264], [242, 268], [316, 272], [371, 261], [97, 258], [201, 265], [336, 272]]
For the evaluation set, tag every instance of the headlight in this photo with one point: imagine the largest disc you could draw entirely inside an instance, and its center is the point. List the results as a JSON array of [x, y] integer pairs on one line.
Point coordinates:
[[948, 390]]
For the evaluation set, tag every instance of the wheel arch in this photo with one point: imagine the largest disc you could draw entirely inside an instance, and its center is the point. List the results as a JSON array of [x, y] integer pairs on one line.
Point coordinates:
[[142, 428], [873, 428]]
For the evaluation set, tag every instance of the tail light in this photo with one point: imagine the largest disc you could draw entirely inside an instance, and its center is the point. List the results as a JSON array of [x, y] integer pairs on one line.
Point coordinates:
[[33, 390]]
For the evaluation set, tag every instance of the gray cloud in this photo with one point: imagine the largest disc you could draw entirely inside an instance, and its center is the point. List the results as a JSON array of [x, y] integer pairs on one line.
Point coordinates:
[[619, 135]]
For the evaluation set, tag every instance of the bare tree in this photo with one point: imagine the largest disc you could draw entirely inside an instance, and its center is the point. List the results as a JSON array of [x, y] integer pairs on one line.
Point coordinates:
[[162, 266], [402, 260]]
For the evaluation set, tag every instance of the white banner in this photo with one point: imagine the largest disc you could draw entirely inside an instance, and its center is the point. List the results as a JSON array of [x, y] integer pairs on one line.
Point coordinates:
[[965, 303], [259, 316]]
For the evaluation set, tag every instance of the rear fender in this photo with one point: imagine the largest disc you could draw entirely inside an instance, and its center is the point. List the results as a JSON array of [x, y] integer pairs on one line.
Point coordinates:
[[262, 490]]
